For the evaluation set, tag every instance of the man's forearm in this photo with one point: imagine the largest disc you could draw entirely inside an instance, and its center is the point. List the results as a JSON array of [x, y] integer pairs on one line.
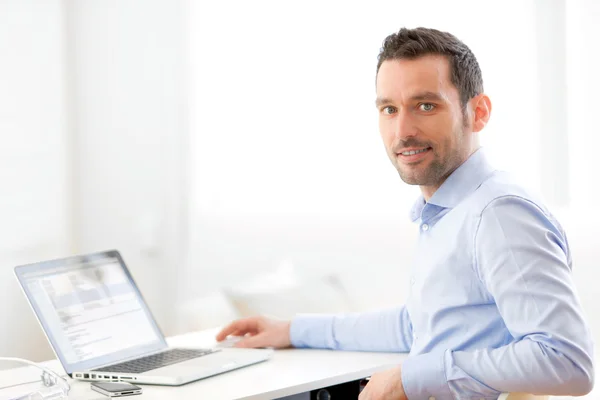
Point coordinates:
[[389, 330], [531, 365]]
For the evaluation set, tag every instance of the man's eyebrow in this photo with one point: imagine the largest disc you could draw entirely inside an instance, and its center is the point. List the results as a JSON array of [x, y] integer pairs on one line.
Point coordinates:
[[427, 96], [381, 101], [420, 96]]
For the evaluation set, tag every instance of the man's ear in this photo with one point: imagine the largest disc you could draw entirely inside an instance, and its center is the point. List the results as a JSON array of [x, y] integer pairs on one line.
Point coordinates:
[[482, 109]]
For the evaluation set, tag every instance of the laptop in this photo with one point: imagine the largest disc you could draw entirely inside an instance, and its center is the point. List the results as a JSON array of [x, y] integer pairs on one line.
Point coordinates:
[[101, 329]]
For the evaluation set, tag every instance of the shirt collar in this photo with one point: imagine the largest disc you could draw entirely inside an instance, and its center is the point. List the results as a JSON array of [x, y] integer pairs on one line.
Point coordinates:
[[463, 181]]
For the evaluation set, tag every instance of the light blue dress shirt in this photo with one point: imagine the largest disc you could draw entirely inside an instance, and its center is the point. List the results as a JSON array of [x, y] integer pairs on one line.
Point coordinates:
[[492, 305]]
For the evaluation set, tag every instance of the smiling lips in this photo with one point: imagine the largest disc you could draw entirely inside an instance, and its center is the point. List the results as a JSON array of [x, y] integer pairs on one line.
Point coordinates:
[[413, 154]]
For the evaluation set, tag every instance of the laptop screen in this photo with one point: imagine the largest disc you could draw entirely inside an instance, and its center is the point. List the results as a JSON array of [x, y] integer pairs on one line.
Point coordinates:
[[90, 309]]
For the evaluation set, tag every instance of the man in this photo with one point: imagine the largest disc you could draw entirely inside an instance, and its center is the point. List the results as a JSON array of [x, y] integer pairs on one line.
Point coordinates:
[[492, 306]]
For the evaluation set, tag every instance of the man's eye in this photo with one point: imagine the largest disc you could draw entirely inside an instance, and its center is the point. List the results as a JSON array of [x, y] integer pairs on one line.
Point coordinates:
[[426, 107], [388, 110]]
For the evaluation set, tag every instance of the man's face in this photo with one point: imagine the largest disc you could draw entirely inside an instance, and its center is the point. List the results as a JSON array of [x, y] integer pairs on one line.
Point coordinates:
[[421, 119]]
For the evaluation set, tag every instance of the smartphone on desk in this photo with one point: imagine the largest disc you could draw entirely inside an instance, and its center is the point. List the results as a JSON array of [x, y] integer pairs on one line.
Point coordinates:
[[116, 389]]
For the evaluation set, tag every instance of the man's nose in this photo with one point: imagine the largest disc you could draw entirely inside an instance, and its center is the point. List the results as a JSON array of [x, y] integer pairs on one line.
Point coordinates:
[[404, 125]]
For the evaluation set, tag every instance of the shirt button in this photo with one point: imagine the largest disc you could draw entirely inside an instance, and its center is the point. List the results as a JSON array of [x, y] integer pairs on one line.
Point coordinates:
[[425, 227], [412, 281]]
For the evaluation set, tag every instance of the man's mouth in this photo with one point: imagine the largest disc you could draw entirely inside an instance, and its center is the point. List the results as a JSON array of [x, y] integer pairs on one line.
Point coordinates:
[[412, 155], [413, 152]]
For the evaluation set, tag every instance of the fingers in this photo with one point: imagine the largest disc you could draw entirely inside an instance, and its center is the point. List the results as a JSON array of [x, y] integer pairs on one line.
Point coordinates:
[[239, 328], [236, 333], [253, 342]]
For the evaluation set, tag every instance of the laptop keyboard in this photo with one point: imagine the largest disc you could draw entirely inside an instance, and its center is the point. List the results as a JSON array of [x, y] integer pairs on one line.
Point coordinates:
[[154, 361]]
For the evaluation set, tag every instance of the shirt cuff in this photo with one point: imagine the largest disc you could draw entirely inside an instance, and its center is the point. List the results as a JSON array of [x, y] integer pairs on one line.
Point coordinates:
[[424, 377], [311, 330]]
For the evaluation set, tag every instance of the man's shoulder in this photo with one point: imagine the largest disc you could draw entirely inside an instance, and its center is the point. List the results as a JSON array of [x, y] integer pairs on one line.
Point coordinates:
[[504, 202], [502, 186]]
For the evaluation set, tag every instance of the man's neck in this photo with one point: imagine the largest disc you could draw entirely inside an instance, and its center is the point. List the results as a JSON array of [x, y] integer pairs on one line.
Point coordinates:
[[428, 190]]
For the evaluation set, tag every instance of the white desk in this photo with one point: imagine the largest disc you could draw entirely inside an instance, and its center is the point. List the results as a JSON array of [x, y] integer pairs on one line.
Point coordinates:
[[287, 373]]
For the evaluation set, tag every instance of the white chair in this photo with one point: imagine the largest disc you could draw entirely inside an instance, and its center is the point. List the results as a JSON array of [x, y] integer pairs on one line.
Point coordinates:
[[521, 396]]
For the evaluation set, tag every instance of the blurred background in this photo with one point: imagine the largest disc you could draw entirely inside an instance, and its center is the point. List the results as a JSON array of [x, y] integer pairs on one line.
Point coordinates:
[[230, 150]]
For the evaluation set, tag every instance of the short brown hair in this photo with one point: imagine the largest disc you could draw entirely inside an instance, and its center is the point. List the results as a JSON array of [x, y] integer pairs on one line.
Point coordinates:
[[465, 73]]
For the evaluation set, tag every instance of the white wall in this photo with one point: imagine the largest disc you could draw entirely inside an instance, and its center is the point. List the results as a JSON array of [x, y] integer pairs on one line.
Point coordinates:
[[287, 161], [583, 63], [94, 155], [94, 146], [583, 86], [284, 119], [128, 79], [34, 203], [287, 157]]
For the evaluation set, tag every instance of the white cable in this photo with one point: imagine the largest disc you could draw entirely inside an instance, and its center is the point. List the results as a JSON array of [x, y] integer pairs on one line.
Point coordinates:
[[49, 377]]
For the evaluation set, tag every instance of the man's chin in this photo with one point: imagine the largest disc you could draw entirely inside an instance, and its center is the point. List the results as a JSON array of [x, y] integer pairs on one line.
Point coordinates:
[[412, 178]]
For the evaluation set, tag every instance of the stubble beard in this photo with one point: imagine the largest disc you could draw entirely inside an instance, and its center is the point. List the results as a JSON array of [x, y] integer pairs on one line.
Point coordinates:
[[438, 169], [429, 177]]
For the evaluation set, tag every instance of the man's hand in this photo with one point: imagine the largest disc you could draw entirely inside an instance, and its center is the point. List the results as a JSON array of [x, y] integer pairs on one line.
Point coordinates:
[[258, 332], [386, 385]]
